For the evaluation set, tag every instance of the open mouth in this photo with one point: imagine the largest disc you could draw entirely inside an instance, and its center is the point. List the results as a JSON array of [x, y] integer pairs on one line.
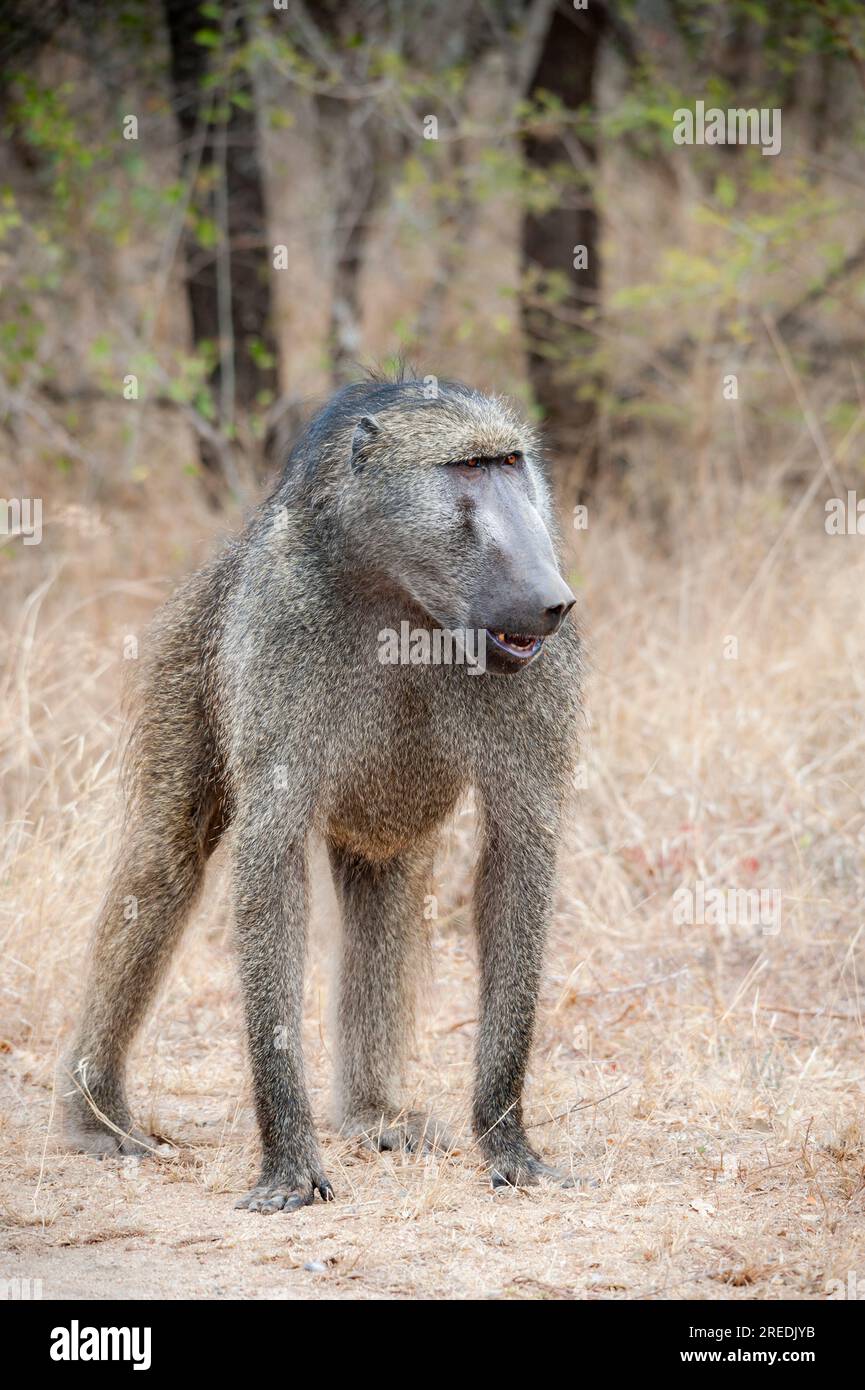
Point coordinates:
[[520, 645]]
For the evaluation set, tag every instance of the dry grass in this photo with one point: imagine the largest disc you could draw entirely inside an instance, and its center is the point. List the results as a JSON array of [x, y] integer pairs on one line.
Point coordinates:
[[717, 1071]]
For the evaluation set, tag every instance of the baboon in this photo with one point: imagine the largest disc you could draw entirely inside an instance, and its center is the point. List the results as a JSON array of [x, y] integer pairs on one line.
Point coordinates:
[[265, 706]]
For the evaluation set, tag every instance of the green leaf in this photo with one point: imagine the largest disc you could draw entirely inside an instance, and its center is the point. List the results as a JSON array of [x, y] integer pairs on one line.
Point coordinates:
[[725, 191]]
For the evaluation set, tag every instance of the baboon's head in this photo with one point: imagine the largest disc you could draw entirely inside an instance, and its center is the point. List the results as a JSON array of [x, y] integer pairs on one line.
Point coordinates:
[[437, 496]]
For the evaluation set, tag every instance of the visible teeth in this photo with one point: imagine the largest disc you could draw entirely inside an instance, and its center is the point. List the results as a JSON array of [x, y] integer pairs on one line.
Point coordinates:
[[515, 642]]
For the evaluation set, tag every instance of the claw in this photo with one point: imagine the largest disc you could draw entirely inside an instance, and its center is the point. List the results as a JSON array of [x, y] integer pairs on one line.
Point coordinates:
[[268, 1198]]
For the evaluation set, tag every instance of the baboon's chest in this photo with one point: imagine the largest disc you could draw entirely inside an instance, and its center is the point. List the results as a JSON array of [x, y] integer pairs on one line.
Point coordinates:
[[398, 774]]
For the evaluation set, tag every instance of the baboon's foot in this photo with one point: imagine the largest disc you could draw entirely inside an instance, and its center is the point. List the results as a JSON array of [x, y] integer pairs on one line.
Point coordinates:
[[105, 1143], [516, 1165], [97, 1116], [412, 1130], [288, 1192]]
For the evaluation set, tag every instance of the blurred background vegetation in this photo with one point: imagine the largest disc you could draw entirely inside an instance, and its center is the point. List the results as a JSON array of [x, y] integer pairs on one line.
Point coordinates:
[[211, 214]]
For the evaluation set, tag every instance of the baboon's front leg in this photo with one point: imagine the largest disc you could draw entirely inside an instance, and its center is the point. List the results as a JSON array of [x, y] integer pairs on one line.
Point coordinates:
[[512, 907], [384, 935], [272, 904]]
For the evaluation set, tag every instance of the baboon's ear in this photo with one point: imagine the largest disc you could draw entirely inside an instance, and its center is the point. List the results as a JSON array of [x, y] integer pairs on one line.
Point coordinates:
[[366, 429]]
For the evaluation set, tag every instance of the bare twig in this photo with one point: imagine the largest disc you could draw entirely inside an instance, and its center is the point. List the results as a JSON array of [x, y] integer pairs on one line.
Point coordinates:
[[630, 989], [580, 1105]]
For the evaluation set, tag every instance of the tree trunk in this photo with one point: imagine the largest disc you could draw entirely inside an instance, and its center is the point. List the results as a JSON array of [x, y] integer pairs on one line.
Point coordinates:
[[228, 286], [564, 389], [354, 158]]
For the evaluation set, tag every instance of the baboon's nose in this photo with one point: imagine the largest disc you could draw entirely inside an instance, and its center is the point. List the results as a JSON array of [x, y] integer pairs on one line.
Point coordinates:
[[557, 604], [539, 612], [556, 614]]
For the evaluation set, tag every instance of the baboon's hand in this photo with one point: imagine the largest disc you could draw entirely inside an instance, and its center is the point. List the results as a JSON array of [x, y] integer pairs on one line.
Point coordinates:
[[285, 1194]]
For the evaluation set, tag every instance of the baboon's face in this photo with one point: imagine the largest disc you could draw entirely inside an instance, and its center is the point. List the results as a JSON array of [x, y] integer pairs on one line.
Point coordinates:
[[464, 537]]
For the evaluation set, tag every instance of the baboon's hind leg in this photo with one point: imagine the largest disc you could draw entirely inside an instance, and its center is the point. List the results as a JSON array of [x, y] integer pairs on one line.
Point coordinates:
[[384, 937], [174, 822]]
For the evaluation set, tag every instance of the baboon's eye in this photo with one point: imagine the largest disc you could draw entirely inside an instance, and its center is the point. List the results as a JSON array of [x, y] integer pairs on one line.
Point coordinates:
[[471, 463], [512, 458]]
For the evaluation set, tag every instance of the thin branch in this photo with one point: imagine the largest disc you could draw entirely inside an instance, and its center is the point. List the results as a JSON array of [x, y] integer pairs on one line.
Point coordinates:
[[580, 1105], [630, 989]]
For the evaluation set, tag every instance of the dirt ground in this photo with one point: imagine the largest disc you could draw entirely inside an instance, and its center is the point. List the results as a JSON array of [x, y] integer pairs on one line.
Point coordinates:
[[702, 1191]]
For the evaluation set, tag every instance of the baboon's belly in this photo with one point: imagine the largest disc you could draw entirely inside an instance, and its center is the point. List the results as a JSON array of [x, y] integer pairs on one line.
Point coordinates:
[[398, 794]]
